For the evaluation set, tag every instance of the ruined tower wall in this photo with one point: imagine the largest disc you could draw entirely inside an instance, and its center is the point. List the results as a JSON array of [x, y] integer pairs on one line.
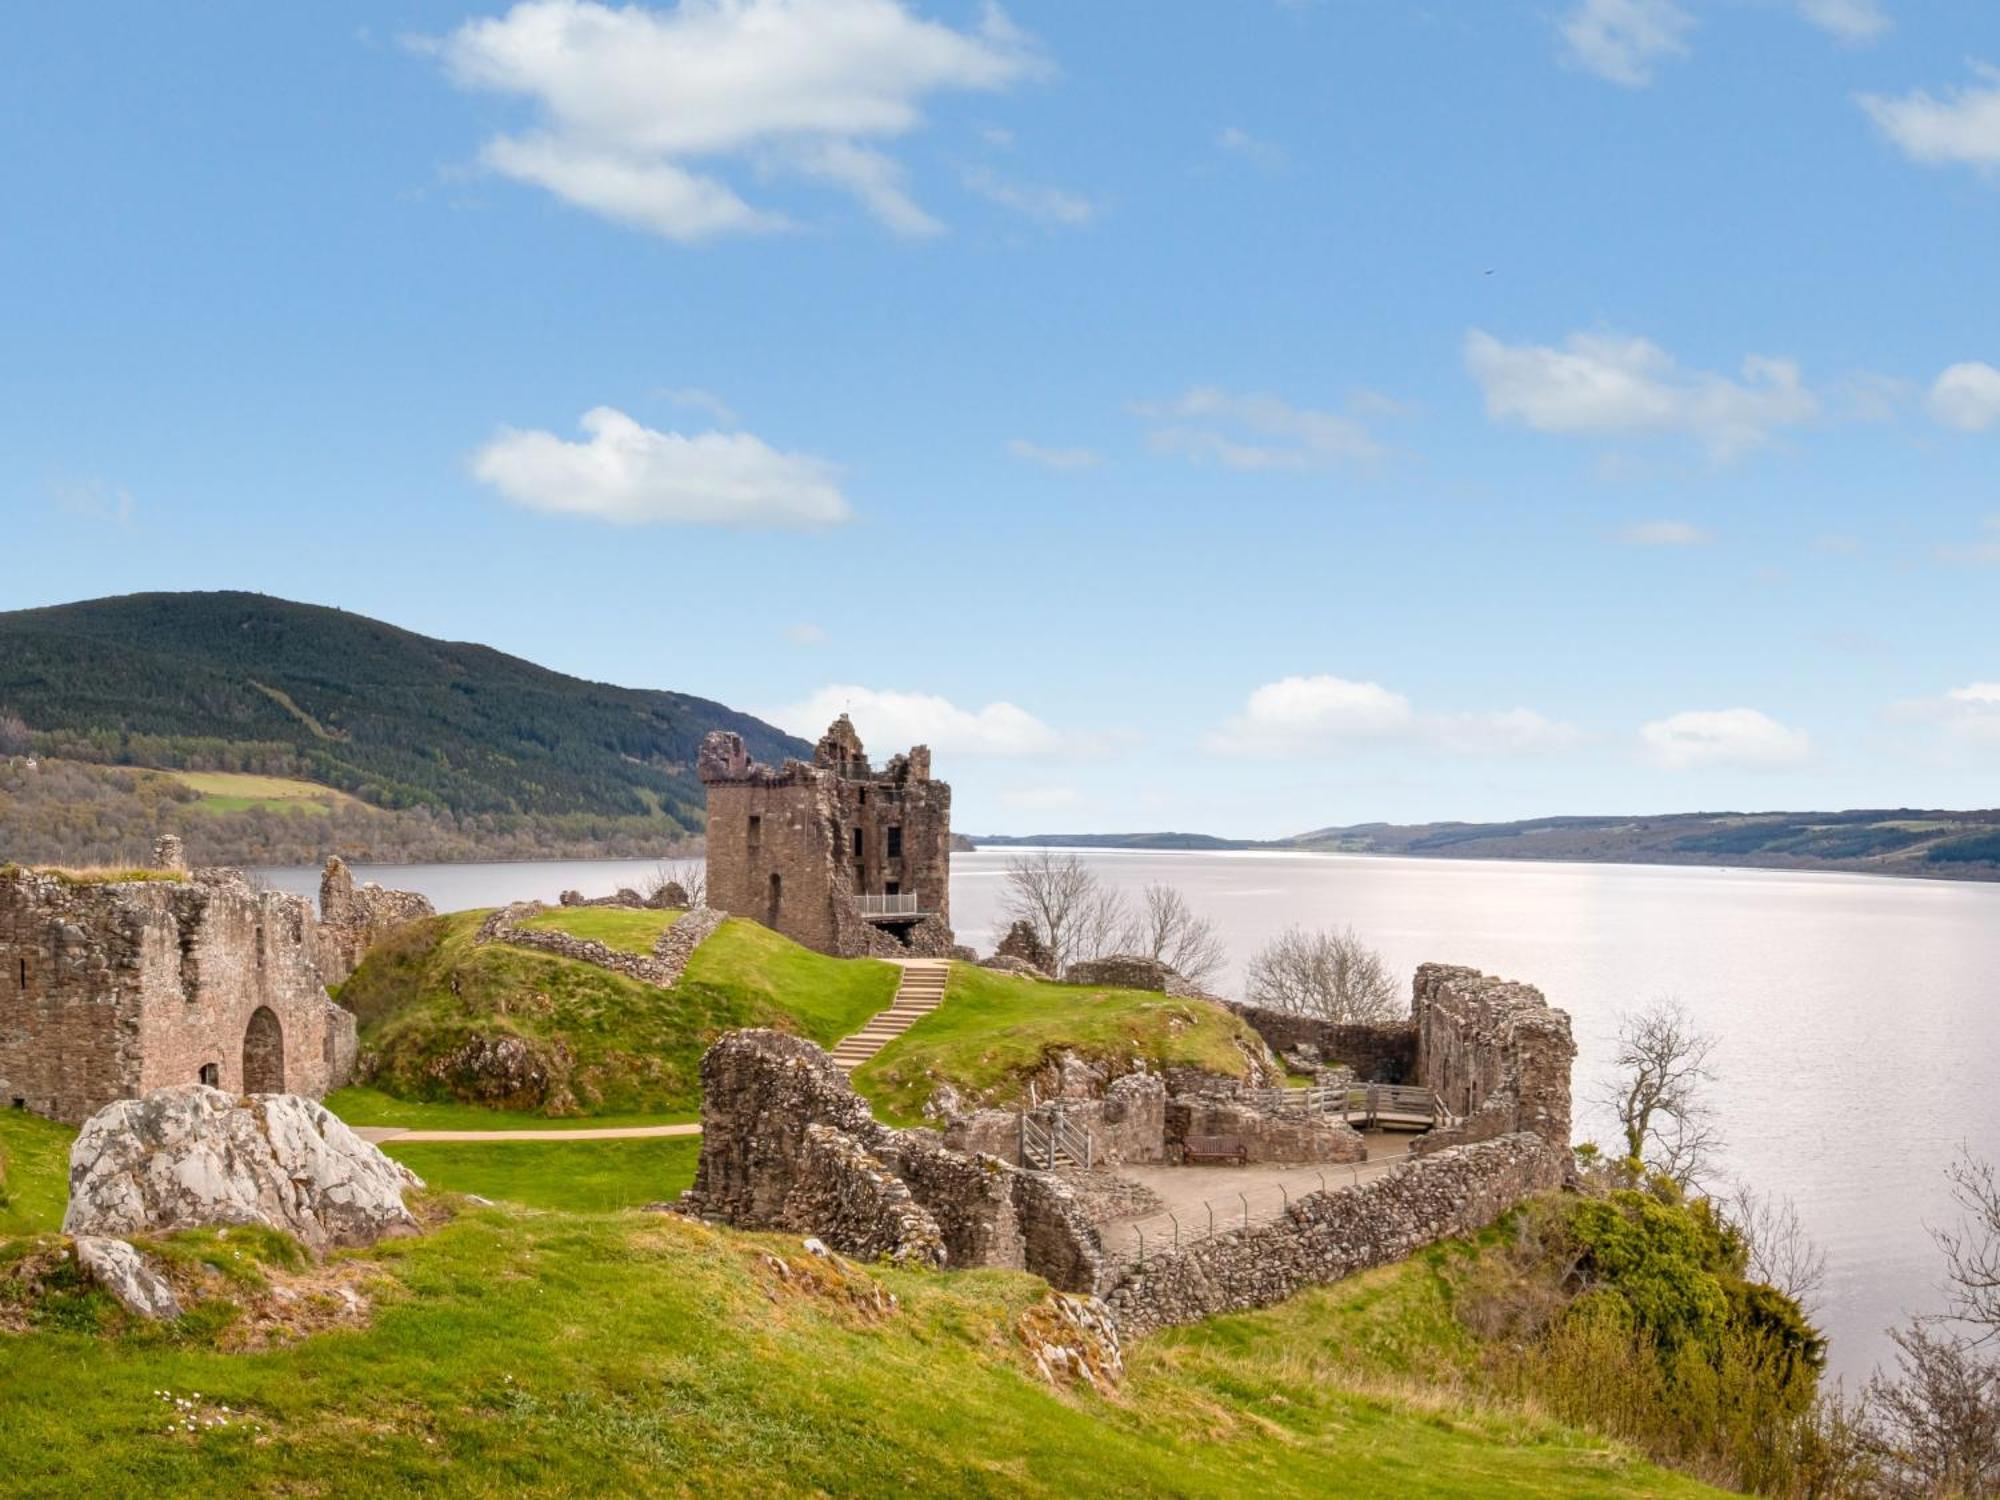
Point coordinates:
[[110, 990], [781, 825], [1496, 1053]]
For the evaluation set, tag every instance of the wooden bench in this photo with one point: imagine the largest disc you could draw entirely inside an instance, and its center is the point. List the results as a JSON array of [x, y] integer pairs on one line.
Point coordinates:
[[1214, 1148]]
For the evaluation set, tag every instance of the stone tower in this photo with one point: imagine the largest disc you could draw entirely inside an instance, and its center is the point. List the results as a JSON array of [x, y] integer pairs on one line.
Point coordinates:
[[832, 853]]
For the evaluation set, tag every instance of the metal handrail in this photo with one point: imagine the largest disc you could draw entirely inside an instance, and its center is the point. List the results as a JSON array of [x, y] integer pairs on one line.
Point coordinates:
[[903, 904]]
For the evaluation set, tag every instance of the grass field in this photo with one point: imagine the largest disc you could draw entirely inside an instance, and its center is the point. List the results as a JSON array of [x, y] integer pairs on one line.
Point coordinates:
[[581, 1176], [994, 1029], [617, 927], [34, 1172], [238, 791], [361, 1105]]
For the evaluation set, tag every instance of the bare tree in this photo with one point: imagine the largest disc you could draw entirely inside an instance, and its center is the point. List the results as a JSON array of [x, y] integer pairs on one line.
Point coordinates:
[[1972, 1246], [691, 875], [1329, 973], [1071, 910], [1781, 1253], [1659, 1093], [15, 738], [1936, 1425], [1166, 928]]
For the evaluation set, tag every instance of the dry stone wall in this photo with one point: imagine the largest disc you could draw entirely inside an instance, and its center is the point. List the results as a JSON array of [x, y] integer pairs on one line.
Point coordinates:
[[1325, 1236], [663, 967], [109, 990], [1384, 1052], [1265, 1136], [786, 1144]]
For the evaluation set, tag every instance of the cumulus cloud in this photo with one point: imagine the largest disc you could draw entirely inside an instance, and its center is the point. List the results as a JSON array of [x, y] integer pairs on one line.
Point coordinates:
[[1663, 534], [1966, 718], [639, 109], [1323, 714], [1254, 432], [1607, 385], [1624, 40], [1733, 737], [633, 475], [1062, 460], [1966, 396], [1961, 127], [1852, 21], [892, 721]]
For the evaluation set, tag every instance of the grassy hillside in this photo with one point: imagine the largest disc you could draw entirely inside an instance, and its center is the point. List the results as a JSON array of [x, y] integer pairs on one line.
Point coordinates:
[[591, 1042], [245, 683], [617, 1353], [995, 1029]]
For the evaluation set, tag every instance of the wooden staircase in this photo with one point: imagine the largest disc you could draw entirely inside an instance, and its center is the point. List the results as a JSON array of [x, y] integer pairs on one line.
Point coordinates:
[[920, 993]]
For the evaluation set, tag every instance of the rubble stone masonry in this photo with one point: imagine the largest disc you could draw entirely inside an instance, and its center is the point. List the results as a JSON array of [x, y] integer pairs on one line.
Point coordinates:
[[111, 989], [1496, 1053]]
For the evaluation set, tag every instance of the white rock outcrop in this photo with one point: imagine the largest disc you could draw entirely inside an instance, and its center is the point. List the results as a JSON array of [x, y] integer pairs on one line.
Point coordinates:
[[189, 1157], [123, 1272]]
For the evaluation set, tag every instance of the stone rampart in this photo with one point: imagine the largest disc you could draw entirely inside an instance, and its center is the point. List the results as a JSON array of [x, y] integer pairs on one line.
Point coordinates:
[[1325, 1236], [786, 1144], [109, 990], [663, 966], [1497, 1055], [1378, 1052]]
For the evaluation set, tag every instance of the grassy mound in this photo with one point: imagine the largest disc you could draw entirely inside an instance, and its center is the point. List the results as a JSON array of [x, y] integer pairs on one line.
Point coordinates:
[[512, 1351], [446, 1020], [617, 927], [996, 1029]]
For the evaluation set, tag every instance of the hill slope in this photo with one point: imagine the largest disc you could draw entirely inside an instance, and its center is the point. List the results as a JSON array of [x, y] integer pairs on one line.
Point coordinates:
[[242, 682]]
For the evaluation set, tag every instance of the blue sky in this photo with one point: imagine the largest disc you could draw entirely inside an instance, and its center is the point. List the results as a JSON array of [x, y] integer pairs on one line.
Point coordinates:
[[1238, 416]]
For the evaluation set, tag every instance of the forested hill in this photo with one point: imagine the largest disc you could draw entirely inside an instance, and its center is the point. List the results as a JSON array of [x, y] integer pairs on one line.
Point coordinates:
[[242, 682]]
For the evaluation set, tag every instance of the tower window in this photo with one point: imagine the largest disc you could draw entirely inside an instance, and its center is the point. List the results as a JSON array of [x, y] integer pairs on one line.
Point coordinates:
[[756, 833], [857, 841], [895, 841]]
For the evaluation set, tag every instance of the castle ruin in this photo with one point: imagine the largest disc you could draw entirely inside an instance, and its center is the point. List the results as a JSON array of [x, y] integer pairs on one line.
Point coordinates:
[[832, 853]]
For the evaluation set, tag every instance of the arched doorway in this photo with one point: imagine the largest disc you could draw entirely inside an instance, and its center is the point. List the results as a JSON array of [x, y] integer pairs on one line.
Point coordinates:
[[263, 1053]]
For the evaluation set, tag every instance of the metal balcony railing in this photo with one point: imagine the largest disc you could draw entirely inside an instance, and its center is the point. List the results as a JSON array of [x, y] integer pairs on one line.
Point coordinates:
[[904, 904]]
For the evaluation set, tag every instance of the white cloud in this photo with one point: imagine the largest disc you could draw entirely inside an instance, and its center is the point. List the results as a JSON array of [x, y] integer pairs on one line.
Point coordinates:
[[1983, 694], [1984, 551], [1740, 737], [1966, 717], [640, 108], [1264, 155], [1606, 385], [1323, 715], [633, 475], [1062, 460], [806, 634], [1663, 534], [696, 399], [94, 499], [1622, 40], [1045, 205], [1852, 21], [1960, 129], [891, 722], [1966, 396], [1254, 432]]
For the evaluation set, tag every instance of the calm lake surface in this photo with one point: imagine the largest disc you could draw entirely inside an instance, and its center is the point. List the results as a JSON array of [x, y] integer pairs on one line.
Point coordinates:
[[1859, 1017]]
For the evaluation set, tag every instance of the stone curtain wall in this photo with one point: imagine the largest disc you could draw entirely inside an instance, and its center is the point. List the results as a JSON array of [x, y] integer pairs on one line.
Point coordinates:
[[1379, 1053], [110, 990], [1497, 1054], [1326, 1236], [823, 830], [786, 1144], [352, 919], [663, 967]]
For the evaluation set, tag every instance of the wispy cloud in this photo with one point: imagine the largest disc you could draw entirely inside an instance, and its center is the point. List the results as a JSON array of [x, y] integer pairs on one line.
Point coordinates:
[[1062, 460], [806, 634], [1266, 156], [1961, 127], [696, 399], [1983, 551], [1623, 41], [1663, 534], [1852, 21], [1045, 205], [1255, 432], [93, 499]]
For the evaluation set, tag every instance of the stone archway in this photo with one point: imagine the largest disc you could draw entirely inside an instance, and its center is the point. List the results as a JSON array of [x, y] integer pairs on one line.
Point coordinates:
[[264, 1053]]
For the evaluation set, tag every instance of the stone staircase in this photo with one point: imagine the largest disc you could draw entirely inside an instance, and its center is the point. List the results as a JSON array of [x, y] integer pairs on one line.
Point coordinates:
[[920, 993]]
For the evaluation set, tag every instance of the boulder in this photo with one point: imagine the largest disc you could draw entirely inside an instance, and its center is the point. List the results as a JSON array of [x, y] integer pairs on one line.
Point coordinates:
[[192, 1156], [123, 1272]]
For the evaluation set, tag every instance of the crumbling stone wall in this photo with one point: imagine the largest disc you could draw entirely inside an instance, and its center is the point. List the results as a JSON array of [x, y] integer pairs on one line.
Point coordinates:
[[1133, 971], [111, 990], [1325, 1236], [663, 967], [1267, 1136], [1024, 945], [353, 919], [1379, 1052], [1496, 1053], [794, 848], [1128, 1124], [786, 1144]]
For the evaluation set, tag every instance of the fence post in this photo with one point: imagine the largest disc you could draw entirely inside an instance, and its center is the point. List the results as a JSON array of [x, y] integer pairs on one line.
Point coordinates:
[[1210, 1206], [1245, 1197], [1140, 1230], [1177, 1229]]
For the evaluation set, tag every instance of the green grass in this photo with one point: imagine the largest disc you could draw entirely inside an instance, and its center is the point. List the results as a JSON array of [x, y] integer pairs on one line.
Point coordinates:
[[34, 1172], [605, 1046], [240, 791], [516, 1351], [994, 1029], [573, 1175], [362, 1105], [618, 927]]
